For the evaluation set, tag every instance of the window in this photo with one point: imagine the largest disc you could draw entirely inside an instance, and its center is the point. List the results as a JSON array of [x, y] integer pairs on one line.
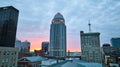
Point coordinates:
[[4, 53]]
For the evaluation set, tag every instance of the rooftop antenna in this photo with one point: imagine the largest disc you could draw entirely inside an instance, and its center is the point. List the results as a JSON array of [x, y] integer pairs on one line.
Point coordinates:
[[89, 24]]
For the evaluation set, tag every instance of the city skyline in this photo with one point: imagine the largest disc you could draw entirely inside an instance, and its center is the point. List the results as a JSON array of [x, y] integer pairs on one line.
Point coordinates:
[[36, 16]]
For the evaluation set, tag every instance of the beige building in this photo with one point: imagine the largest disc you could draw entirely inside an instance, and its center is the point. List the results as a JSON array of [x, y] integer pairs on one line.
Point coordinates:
[[90, 47], [8, 57]]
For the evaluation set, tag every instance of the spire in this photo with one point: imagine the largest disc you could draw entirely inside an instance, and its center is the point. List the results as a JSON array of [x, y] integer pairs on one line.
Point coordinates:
[[89, 24]]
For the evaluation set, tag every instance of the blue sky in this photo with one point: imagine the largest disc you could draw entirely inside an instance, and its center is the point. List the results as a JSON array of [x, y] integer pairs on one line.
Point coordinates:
[[35, 18]]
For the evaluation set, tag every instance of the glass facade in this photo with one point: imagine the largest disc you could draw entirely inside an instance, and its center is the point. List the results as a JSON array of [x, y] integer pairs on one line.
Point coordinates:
[[45, 46], [58, 36], [115, 42], [8, 26]]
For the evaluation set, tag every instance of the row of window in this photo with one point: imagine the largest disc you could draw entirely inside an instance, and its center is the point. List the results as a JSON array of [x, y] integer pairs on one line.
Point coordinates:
[[3, 60], [8, 53], [6, 65]]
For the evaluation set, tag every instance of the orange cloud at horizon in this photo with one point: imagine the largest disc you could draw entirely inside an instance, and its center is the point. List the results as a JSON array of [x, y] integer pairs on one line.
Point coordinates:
[[73, 49], [36, 44]]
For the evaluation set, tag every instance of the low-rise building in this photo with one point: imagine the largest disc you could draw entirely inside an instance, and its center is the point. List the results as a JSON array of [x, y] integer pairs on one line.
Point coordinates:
[[34, 61]]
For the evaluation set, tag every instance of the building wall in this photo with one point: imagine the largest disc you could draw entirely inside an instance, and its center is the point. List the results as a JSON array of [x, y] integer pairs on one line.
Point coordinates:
[[22, 46], [115, 42], [18, 44], [90, 47], [29, 64], [45, 46], [106, 48], [8, 57], [25, 46], [8, 26]]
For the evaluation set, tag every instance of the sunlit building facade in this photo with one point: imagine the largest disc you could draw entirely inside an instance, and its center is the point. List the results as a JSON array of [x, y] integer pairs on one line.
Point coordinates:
[[8, 26], [90, 47], [58, 36]]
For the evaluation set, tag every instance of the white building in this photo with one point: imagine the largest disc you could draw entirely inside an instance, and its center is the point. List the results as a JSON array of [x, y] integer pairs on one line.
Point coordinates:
[[26, 46], [22, 46], [18, 44], [90, 47]]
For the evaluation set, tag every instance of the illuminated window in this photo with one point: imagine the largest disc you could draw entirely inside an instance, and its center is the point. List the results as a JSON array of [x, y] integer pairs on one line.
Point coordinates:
[[4, 8], [61, 20]]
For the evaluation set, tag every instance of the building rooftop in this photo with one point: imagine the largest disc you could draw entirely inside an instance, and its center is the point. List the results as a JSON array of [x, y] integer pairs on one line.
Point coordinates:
[[32, 59], [106, 45], [9, 7], [90, 33], [116, 38]]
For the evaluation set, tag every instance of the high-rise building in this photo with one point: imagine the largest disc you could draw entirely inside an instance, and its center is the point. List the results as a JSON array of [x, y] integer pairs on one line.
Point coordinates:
[[115, 42], [22, 46], [18, 45], [8, 26], [25, 46], [58, 36], [45, 46], [90, 47]]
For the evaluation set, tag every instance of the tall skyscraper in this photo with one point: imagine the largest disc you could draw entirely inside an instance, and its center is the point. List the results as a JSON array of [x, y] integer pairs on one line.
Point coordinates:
[[90, 47], [115, 42], [58, 36], [8, 26]]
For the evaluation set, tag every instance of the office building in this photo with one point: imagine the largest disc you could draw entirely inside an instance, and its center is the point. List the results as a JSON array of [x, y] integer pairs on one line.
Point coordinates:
[[8, 57], [106, 48], [115, 42], [25, 46], [58, 36], [45, 46], [22, 46], [8, 26], [18, 45], [90, 47]]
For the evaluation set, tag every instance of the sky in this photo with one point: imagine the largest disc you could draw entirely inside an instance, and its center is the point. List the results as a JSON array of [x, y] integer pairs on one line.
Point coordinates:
[[35, 17]]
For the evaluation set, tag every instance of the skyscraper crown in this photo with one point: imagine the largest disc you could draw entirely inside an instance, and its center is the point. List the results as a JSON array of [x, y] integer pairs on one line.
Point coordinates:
[[58, 18]]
